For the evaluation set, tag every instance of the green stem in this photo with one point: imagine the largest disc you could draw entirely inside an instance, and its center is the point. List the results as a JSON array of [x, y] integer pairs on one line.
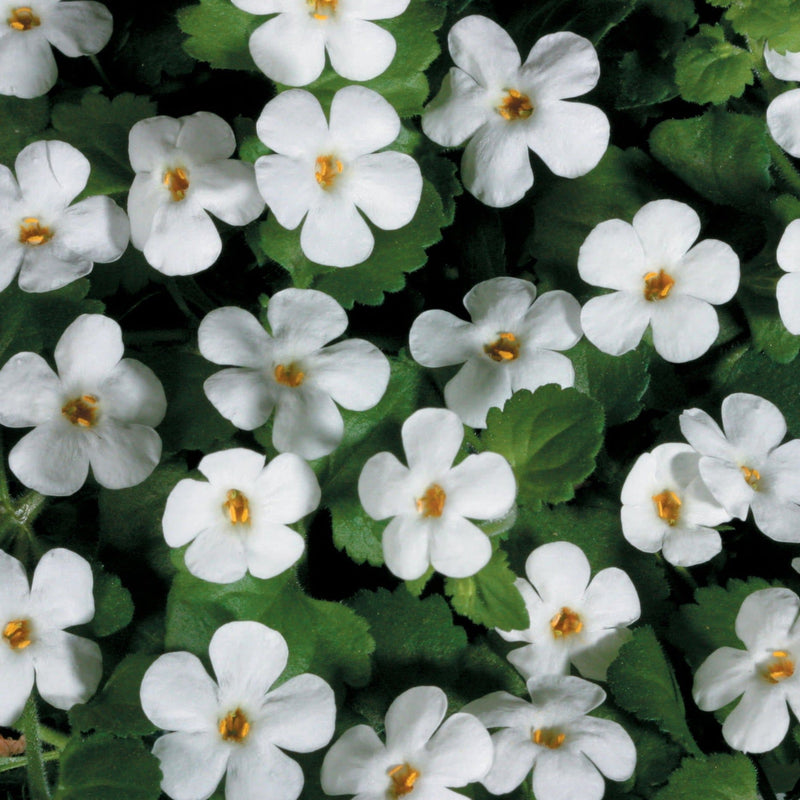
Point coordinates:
[[176, 294], [784, 167], [37, 772], [687, 576], [101, 72], [51, 736]]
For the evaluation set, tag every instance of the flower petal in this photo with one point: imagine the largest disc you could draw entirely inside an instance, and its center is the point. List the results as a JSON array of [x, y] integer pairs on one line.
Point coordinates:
[[293, 124], [514, 754], [458, 110], [78, 28], [190, 508], [601, 648], [788, 254], [384, 487], [122, 454], [541, 658], [16, 675], [88, 351], [192, 764], [612, 599], [727, 485], [560, 65], [786, 67], [51, 268], [406, 546], [288, 49], [788, 294], [778, 520], [710, 271], [387, 187], [458, 547], [783, 121], [287, 489], [348, 765], [536, 368], [501, 709], [335, 234], [272, 549], [559, 571], [241, 396], [217, 555], [132, 393], [440, 339], [722, 677], [228, 190], [289, 187], [31, 392], [234, 336], [561, 775], [152, 142], [688, 547], [606, 744], [759, 722], [684, 328], [482, 486], [359, 50], [553, 322], [478, 386], [263, 771], [766, 617], [61, 590], [500, 300], [642, 527], [307, 422], [667, 230], [27, 65], [752, 424], [68, 668], [413, 717], [16, 589], [11, 258], [612, 257], [375, 9], [52, 172], [431, 439], [95, 229], [460, 752], [305, 318], [703, 433], [484, 50], [205, 137], [615, 323], [145, 197]]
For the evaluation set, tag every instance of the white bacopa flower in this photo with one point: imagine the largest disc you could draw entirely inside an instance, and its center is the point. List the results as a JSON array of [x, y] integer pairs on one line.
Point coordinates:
[[553, 735], [501, 108], [508, 345], [420, 758], [27, 32], [431, 502], [573, 620], [235, 727], [660, 277], [783, 113], [290, 48], [45, 238], [183, 171], [788, 288], [292, 371], [666, 505], [765, 673], [100, 409], [237, 520], [323, 173], [33, 643], [747, 467]]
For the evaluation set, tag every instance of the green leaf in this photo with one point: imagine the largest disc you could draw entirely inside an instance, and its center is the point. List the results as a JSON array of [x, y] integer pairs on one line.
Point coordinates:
[[715, 777], [642, 682], [709, 69], [590, 18], [113, 606], [550, 438], [769, 333], [775, 20], [489, 597], [22, 121], [722, 156]]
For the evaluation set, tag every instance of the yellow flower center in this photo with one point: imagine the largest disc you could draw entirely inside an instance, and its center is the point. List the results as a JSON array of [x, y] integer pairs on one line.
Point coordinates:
[[668, 506], [548, 738], [329, 168], [237, 507], [33, 233], [657, 285], [780, 668], [515, 105], [23, 19], [565, 623], [177, 182], [289, 375], [752, 476], [234, 727], [505, 348], [81, 411], [403, 776], [322, 9], [18, 634], [431, 504]]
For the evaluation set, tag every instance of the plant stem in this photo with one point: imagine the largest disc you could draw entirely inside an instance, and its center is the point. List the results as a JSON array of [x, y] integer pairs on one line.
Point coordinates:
[[784, 167], [53, 737], [101, 72], [37, 772]]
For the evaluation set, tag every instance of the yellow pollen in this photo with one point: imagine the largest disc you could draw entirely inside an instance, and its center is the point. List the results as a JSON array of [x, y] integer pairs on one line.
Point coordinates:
[[323, 9], [752, 476], [403, 776], [431, 504], [235, 727], [668, 506], [237, 507], [32, 232], [657, 285], [548, 738], [290, 375], [177, 181], [23, 19], [18, 634], [81, 411], [329, 168], [515, 106], [781, 668], [505, 348], [565, 623]]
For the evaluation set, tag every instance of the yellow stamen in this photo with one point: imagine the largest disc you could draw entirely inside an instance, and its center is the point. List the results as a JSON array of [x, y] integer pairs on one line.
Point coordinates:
[[781, 668], [235, 727], [668, 506], [403, 776], [329, 168], [23, 19], [290, 375], [505, 348], [177, 181], [431, 504], [752, 476], [237, 506], [657, 285], [81, 411], [32, 232], [548, 738], [565, 623], [18, 634], [515, 106], [323, 9]]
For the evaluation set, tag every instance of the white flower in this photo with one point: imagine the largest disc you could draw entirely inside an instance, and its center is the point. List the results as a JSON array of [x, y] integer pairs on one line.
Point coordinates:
[[553, 735], [236, 727], [420, 758], [290, 48], [183, 171], [665, 504], [788, 289], [501, 107], [27, 66], [572, 619], [746, 467], [783, 113], [291, 371], [430, 501], [324, 173], [508, 345], [33, 642], [765, 673], [100, 409], [660, 279], [49, 242], [237, 519]]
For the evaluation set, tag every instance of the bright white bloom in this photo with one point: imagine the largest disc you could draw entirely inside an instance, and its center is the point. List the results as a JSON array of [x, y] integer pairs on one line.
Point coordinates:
[[572, 619], [431, 501], [553, 735], [501, 107], [291, 371], [183, 171], [788, 289], [747, 467], [665, 504], [417, 759], [324, 173], [49, 242], [100, 409], [765, 673], [508, 345], [27, 66], [33, 642], [237, 519], [660, 278], [783, 113], [235, 727], [290, 48]]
